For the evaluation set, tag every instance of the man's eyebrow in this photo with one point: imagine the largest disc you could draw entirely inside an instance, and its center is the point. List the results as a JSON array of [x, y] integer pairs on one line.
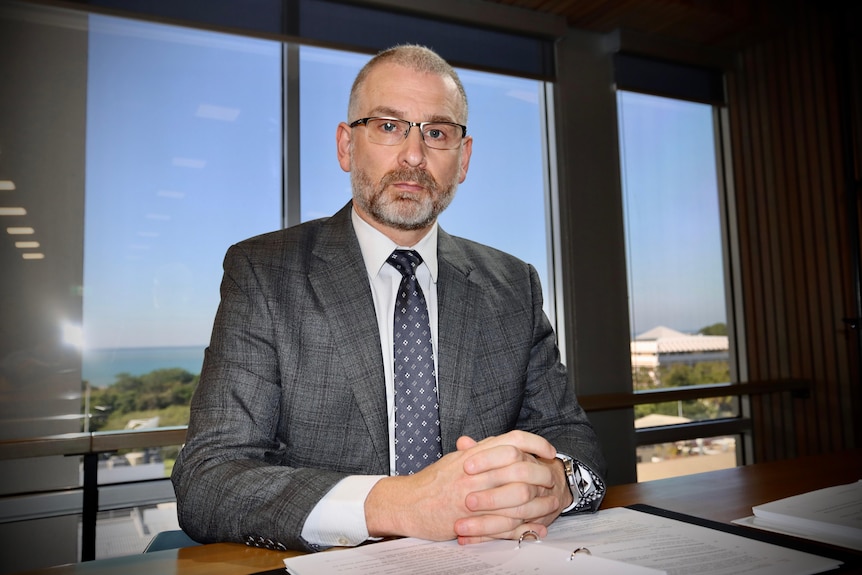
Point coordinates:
[[386, 111], [393, 113], [441, 119]]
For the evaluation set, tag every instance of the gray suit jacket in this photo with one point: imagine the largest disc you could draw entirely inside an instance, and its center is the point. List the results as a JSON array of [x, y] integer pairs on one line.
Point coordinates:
[[291, 397]]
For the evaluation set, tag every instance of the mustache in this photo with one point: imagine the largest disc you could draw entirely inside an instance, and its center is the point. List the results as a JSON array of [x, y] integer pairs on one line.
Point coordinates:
[[417, 175]]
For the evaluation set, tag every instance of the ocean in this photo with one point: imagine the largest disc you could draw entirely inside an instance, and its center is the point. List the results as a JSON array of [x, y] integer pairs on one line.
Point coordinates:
[[100, 366]]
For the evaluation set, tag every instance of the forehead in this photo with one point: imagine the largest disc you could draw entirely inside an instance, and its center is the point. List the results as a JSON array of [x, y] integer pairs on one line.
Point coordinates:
[[419, 96]]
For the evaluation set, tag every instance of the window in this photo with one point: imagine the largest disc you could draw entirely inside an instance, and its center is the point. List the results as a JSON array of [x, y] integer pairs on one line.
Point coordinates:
[[183, 159], [677, 300]]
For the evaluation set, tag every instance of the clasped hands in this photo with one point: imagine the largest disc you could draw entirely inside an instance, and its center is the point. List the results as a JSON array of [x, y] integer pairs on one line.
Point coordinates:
[[497, 488]]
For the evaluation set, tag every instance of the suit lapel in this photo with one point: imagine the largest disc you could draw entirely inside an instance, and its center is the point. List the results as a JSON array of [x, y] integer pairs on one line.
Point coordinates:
[[339, 281], [338, 278], [456, 300]]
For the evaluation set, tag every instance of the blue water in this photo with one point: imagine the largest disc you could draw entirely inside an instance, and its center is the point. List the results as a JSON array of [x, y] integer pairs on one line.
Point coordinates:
[[100, 366]]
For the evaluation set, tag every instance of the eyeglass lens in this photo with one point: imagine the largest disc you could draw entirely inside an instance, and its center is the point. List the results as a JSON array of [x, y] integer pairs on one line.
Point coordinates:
[[391, 132]]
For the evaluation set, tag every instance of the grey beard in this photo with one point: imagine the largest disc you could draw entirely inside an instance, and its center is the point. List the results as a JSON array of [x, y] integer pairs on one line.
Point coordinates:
[[419, 215]]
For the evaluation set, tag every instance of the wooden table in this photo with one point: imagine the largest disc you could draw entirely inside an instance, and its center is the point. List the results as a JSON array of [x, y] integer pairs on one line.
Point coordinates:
[[720, 496], [729, 494]]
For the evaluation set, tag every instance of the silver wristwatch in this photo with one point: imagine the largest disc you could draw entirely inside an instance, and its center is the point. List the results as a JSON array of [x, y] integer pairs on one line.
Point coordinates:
[[571, 478], [587, 488]]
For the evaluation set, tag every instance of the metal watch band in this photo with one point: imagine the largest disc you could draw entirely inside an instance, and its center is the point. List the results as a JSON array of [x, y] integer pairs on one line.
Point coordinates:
[[587, 488]]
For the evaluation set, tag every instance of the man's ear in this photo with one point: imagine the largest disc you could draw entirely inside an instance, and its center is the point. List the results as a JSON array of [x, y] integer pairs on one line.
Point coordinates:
[[342, 144], [466, 152]]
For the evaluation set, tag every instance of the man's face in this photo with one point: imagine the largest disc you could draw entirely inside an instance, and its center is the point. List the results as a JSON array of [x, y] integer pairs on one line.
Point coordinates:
[[406, 186]]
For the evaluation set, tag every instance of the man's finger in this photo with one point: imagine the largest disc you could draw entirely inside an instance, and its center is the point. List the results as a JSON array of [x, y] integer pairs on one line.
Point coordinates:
[[481, 531], [523, 441]]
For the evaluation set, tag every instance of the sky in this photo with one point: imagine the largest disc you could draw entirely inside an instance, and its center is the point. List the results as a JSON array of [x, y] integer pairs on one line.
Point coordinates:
[[672, 220], [184, 156]]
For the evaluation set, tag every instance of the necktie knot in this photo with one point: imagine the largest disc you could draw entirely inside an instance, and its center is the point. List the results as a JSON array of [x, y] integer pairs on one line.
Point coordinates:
[[405, 261]]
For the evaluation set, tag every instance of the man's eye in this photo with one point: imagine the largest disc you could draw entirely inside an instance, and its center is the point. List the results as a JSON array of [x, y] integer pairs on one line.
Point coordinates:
[[435, 134], [389, 127]]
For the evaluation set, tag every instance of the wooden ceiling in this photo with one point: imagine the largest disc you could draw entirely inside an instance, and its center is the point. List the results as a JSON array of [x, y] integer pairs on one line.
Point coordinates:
[[718, 23]]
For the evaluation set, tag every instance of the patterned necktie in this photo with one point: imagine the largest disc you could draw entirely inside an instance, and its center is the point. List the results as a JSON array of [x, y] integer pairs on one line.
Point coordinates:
[[417, 419]]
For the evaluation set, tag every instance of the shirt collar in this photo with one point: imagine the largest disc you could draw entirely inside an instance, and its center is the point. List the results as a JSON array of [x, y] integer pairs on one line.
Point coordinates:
[[376, 247]]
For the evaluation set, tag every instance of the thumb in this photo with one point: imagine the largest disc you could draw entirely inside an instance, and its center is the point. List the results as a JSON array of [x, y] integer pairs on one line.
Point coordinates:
[[464, 443]]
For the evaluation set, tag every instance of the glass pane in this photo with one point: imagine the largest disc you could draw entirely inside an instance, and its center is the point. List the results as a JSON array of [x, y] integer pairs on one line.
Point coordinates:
[[184, 132], [128, 528], [685, 457], [42, 118], [674, 253], [504, 189], [670, 190], [122, 532], [43, 59]]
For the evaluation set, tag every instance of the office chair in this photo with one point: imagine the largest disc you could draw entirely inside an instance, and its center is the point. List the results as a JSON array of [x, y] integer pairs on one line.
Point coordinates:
[[170, 540]]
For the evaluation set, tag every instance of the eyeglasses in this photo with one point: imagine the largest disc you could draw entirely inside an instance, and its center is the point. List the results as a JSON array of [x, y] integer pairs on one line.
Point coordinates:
[[392, 131]]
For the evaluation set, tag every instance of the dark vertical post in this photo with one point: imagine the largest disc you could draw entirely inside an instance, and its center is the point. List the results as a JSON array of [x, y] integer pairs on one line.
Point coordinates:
[[91, 507], [849, 75]]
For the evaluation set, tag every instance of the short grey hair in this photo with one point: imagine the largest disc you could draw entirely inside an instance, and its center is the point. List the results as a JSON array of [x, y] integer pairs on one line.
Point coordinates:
[[414, 57]]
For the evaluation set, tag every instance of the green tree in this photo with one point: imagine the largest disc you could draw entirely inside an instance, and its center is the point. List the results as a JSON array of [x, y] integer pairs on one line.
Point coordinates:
[[163, 392], [714, 329], [683, 375]]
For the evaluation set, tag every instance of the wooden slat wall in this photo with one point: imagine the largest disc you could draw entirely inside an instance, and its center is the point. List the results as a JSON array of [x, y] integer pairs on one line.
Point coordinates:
[[796, 259]]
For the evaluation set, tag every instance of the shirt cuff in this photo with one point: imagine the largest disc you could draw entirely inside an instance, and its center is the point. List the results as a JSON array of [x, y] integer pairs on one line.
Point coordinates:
[[338, 519]]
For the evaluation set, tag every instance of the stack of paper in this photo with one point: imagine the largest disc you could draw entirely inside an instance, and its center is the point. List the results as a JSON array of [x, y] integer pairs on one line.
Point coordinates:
[[421, 557], [621, 541], [832, 515]]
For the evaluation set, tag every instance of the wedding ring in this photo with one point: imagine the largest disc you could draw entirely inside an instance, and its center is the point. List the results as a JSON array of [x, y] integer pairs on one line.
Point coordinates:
[[529, 533], [583, 550]]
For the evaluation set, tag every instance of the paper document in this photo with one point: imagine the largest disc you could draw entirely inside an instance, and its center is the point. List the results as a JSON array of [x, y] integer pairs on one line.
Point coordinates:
[[832, 515], [682, 548], [421, 557], [621, 542]]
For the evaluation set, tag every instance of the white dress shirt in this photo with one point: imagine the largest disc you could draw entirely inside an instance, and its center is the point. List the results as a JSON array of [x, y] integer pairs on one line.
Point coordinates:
[[339, 518]]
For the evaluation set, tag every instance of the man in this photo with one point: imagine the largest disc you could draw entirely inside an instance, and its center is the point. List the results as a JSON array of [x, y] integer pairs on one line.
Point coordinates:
[[296, 431]]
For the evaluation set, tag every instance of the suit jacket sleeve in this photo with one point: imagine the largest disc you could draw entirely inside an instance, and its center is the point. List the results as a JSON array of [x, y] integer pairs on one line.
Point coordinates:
[[500, 365], [239, 478], [549, 392]]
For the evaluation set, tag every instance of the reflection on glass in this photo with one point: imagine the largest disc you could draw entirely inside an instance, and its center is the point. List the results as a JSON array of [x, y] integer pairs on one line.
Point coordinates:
[[129, 524], [140, 464], [121, 532], [685, 457], [41, 167], [183, 159]]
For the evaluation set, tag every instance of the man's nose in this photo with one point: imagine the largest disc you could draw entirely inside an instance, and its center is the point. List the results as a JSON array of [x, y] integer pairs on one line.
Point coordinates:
[[413, 148]]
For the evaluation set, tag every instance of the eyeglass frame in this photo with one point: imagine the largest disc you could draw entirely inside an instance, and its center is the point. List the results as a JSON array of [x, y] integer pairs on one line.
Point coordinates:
[[410, 125]]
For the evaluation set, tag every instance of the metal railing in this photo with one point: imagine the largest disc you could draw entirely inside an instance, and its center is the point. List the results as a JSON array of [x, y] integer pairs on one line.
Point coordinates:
[[91, 445], [798, 388]]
